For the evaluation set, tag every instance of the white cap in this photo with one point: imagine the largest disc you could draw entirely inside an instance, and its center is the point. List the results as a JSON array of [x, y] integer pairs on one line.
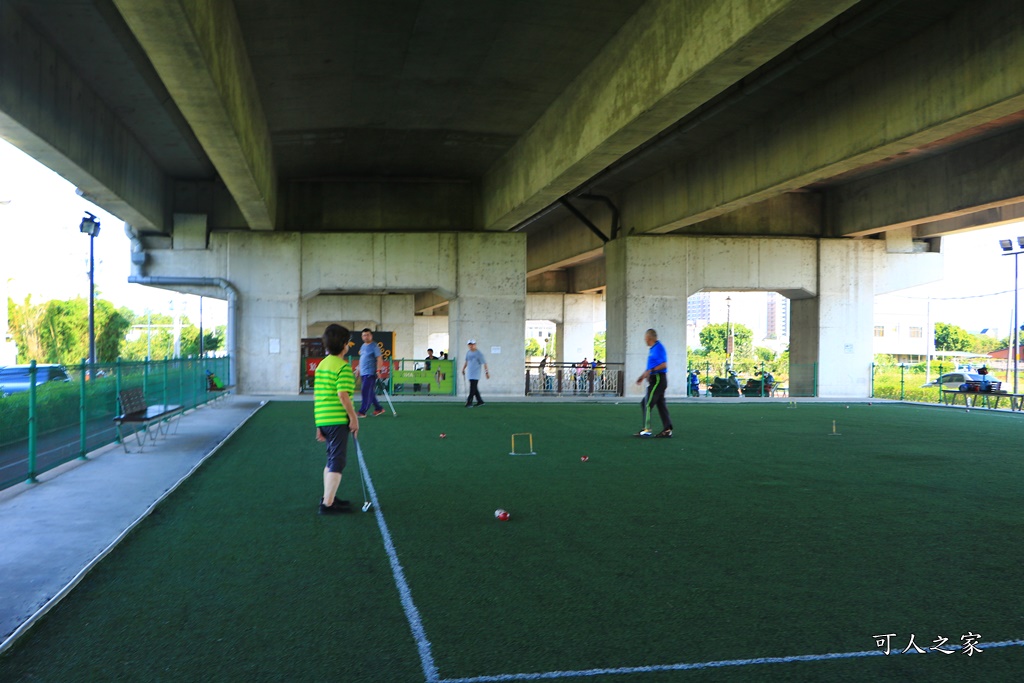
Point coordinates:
[[471, 341]]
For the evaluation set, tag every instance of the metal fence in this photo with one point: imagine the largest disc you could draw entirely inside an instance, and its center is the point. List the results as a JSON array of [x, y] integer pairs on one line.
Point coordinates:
[[906, 382], [791, 379], [53, 423], [568, 379]]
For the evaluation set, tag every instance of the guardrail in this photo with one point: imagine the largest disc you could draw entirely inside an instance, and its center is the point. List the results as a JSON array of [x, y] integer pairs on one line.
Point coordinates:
[[568, 379], [53, 423]]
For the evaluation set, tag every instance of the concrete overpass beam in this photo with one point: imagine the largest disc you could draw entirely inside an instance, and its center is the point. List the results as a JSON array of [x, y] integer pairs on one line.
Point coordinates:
[[48, 112], [937, 85], [197, 49], [981, 176], [668, 60]]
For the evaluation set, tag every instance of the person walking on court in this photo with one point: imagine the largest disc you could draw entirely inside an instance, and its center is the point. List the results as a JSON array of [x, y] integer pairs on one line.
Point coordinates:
[[371, 365], [656, 375], [334, 414], [474, 361]]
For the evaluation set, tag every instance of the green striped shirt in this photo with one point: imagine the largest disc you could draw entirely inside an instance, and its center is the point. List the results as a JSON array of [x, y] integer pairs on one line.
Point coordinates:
[[333, 374]]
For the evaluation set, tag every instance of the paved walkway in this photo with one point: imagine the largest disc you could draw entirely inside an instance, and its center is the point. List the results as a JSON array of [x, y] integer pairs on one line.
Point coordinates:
[[53, 532]]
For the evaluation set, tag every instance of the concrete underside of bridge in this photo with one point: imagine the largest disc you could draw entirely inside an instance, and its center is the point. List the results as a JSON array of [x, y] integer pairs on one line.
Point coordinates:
[[385, 165]]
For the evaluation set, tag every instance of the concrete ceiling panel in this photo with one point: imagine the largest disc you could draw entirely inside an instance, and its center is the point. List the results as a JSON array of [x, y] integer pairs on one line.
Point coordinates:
[[199, 52]]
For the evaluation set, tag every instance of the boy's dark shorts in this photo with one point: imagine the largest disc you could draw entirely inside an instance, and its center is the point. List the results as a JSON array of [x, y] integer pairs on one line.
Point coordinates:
[[337, 445]]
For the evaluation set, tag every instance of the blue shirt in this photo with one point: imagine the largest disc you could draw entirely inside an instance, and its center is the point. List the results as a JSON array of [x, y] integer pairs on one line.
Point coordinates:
[[368, 354], [474, 361], [656, 356]]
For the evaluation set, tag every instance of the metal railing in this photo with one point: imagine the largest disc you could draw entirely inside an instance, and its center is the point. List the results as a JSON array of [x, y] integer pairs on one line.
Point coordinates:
[[791, 379], [567, 379], [911, 382], [53, 423]]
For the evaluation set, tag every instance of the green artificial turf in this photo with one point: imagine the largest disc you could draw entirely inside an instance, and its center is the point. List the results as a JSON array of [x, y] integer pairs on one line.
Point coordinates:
[[753, 533]]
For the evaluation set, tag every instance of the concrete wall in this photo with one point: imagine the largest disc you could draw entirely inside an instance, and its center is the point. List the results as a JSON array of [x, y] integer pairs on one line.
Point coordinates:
[[577, 318], [291, 285], [832, 284], [491, 308]]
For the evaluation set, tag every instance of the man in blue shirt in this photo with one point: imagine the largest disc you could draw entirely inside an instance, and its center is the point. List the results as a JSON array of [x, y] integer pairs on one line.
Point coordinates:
[[370, 366], [656, 375]]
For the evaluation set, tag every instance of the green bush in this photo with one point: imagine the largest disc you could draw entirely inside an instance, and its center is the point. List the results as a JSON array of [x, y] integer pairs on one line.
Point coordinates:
[[887, 385]]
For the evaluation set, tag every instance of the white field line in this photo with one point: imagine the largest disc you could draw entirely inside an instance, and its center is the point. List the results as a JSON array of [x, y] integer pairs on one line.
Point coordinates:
[[430, 671], [549, 675], [411, 613]]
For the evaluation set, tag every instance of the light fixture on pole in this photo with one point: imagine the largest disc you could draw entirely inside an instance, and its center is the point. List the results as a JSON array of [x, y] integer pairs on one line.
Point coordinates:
[[730, 343], [1007, 247], [91, 227]]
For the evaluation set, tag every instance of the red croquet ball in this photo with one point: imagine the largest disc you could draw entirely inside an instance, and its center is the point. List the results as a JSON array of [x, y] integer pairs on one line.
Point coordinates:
[[443, 435], [585, 458], [501, 514]]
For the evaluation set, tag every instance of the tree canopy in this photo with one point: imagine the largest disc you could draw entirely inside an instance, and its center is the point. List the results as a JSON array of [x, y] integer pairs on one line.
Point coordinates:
[[58, 332], [713, 338], [952, 338]]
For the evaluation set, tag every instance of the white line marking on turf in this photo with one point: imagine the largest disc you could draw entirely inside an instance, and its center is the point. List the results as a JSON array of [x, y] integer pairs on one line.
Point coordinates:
[[411, 613], [547, 675]]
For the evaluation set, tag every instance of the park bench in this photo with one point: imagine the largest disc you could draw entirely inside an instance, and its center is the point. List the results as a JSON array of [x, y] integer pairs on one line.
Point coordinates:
[[972, 396], [144, 420]]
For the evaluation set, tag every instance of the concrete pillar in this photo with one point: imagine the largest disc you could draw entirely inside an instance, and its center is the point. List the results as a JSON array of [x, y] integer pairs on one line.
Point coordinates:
[[428, 333], [397, 316], [490, 306], [834, 330], [647, 288], [579, 319], [266, 270]]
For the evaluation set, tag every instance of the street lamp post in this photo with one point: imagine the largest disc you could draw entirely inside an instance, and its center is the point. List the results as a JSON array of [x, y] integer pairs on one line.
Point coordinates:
[[730, 343], [91, 227], [1007, 247]]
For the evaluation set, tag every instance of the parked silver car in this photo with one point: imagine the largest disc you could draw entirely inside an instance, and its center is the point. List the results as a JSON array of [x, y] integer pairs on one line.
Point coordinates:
[[951, 381]]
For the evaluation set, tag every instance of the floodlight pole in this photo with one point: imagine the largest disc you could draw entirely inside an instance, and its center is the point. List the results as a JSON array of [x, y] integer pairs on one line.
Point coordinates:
[[91, 227], [92, 300], [1007, 247]]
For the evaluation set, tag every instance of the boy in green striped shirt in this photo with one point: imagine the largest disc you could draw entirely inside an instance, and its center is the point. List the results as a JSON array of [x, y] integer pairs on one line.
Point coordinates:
[[335, 415]]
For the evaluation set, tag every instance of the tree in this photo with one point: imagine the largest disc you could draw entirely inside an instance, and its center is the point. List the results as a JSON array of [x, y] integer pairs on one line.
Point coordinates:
[[24, 322], [533, 348], [713, 339], [601, 346], [951, 338]]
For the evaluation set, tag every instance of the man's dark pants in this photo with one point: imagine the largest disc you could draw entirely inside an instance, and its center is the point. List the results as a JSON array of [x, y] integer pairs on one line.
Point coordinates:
[[655, 395]]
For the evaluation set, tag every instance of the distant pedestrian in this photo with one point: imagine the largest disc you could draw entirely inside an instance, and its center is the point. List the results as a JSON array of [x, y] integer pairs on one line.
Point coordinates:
[[656, 375], [334, 413], [371, 366], [474, 361]]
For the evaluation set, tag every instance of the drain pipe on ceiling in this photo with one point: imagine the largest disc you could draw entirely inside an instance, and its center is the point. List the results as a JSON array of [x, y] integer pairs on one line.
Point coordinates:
[[138, 261]]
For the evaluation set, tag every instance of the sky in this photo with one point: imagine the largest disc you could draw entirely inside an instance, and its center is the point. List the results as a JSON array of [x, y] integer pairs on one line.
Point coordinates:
[[42, 253]]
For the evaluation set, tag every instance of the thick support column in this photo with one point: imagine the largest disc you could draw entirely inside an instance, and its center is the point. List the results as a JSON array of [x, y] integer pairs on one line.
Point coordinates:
[[576, 318], [835, 328], [579, 318], [647, 288], [490, 306], [397, 317], [267, 272]]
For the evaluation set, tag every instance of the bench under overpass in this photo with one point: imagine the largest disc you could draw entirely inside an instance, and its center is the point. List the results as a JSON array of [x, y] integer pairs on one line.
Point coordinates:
[[143, 420]]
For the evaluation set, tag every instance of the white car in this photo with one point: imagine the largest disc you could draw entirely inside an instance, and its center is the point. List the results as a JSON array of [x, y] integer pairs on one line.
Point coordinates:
[[951, 381]]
